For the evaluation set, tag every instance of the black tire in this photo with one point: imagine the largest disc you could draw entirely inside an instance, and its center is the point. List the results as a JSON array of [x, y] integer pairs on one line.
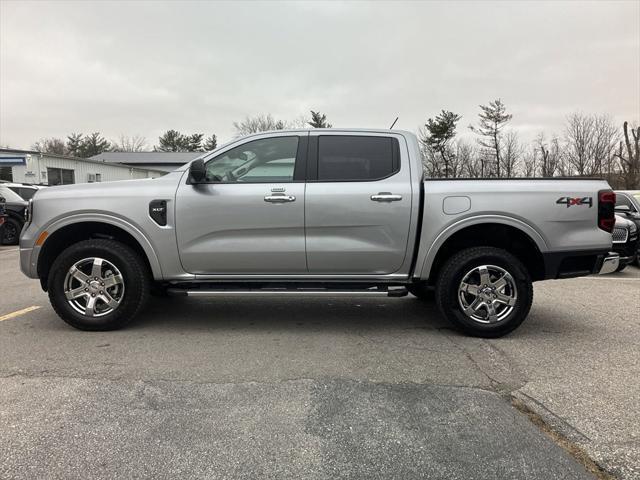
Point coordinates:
[[135, 278], [449, 282], [421, 291], [11, 231]]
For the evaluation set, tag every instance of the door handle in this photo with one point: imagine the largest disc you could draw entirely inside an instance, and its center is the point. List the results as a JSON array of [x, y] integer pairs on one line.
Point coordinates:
[[279, 198], [386, 197]]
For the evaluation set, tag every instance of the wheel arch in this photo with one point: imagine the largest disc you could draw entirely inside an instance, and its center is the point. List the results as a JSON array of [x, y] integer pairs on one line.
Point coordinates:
[[513, 235], [66, 233]]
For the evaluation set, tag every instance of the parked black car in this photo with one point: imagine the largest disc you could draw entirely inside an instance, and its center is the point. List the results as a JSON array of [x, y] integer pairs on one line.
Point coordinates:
[[16, 209], [3, 215], [628, 206], [625, 241], [25, 191]]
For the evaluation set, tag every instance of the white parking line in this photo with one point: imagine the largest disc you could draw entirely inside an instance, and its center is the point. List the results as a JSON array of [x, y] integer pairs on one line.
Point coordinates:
[[17, 313], [7, 251], [611, 278]]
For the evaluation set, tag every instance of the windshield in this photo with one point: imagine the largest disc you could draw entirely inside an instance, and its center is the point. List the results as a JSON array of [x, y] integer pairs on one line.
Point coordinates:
[[9, 195]]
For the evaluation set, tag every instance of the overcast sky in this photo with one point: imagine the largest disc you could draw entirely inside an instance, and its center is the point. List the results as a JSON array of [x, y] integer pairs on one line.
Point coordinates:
[[142, 68]]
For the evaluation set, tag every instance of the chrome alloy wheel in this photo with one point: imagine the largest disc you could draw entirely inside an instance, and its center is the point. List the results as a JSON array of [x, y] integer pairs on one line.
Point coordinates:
[[94, 287], [487, 294]]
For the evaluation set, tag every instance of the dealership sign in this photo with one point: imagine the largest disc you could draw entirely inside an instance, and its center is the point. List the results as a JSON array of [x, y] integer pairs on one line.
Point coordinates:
[[13, 161]]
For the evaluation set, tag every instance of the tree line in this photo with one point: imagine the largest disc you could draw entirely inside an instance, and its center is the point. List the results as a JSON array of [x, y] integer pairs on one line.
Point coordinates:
[[85, 146], [590, 145]]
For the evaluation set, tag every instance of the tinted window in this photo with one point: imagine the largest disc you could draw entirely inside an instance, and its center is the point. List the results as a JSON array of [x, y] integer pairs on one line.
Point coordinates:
[[267, 160], [27, 193], [9, 195], [624, 200], [356, 158]]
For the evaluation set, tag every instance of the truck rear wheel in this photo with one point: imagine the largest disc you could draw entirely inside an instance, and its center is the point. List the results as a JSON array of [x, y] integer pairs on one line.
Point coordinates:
[[98, 285], [484, 291]]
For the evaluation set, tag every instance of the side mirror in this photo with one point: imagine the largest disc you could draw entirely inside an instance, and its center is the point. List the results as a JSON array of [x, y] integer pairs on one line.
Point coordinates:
[[622, 208], [197, 172]]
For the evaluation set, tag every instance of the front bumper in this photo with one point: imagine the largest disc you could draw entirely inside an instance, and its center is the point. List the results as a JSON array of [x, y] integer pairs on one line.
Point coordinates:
[[609, 264], [28, 262]]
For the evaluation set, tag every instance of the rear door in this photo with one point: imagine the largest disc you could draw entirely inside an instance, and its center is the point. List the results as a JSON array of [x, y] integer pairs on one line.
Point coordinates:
[[358, 203], [249, 218]]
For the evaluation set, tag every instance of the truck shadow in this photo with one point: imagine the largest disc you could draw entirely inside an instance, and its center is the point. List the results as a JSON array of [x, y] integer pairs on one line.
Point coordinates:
[[330, 313]]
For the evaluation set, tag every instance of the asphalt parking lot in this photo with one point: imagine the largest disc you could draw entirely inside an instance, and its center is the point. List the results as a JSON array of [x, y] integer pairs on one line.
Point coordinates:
[[319, 388]]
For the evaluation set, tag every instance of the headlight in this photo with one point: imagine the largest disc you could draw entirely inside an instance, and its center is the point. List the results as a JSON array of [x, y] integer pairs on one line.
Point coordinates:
[[633, 229]]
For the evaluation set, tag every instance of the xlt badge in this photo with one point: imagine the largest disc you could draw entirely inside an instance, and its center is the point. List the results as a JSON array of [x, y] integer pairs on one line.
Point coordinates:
[[158, 211]]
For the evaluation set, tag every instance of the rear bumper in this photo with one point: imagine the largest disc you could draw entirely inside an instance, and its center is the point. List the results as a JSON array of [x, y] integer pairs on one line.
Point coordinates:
[[579, 263], [609, 264]]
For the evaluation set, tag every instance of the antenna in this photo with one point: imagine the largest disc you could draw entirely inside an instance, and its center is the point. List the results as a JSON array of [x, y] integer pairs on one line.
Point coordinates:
[[394, 122]]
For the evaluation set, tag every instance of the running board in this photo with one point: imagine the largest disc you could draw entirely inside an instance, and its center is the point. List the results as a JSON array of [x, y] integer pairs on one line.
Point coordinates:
[[278, 292]]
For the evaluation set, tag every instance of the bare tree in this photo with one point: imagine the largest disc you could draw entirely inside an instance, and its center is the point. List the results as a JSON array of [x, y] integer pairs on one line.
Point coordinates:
[[512, 154], [134, 143], [578, 132], [529, 165], [469, 165], [492, 119], [605, 140], [550, 156], [430, 162], [630, 157], [50, 145], [589, 143], [258, 123]]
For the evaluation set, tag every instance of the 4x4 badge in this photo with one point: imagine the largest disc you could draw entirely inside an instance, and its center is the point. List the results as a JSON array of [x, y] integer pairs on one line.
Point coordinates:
[[570, 201]]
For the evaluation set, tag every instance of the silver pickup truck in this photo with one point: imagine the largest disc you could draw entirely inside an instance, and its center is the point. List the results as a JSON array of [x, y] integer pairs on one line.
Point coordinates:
[[315, 212]]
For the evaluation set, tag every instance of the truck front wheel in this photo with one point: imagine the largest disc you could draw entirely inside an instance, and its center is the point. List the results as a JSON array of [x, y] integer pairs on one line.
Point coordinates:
[[484, 291], [98, 285]]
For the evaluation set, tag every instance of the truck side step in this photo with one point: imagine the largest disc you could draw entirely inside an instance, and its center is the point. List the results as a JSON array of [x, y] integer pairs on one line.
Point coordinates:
[[274, 292]]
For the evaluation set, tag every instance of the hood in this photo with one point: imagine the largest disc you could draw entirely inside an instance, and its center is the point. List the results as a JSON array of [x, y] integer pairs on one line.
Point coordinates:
[[622, 222], [106, 189]]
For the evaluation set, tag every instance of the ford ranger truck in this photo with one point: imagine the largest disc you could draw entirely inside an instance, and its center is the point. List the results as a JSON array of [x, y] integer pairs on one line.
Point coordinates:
[[315, 212]]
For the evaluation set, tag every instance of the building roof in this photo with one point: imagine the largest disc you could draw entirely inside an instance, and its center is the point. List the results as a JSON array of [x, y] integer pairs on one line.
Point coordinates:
[[69, 157], [174, 158]]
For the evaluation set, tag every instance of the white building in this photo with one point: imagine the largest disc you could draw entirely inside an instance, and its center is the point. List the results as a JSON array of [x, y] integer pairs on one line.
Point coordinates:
[[164, 161], [26, 166]]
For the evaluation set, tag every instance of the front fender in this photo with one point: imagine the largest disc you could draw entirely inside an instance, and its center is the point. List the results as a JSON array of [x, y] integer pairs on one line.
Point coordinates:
[[30, 235]]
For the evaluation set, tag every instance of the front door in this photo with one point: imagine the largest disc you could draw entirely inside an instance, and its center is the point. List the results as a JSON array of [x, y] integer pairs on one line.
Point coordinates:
[[248, 218], [358, 204]]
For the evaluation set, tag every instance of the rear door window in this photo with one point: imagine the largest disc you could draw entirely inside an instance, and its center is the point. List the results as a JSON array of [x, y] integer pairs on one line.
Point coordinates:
[[357, 158]]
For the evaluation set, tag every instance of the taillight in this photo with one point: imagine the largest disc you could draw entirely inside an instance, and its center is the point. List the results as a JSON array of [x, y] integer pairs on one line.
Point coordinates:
[[606, 210]]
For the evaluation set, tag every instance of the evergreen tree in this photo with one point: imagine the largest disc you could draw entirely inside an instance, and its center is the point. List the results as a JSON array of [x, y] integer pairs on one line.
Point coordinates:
[[493, 118], [172, 141], [74, 144], [93, 144], [210, 143], [318, 120], [439, 133], [194, 142]]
